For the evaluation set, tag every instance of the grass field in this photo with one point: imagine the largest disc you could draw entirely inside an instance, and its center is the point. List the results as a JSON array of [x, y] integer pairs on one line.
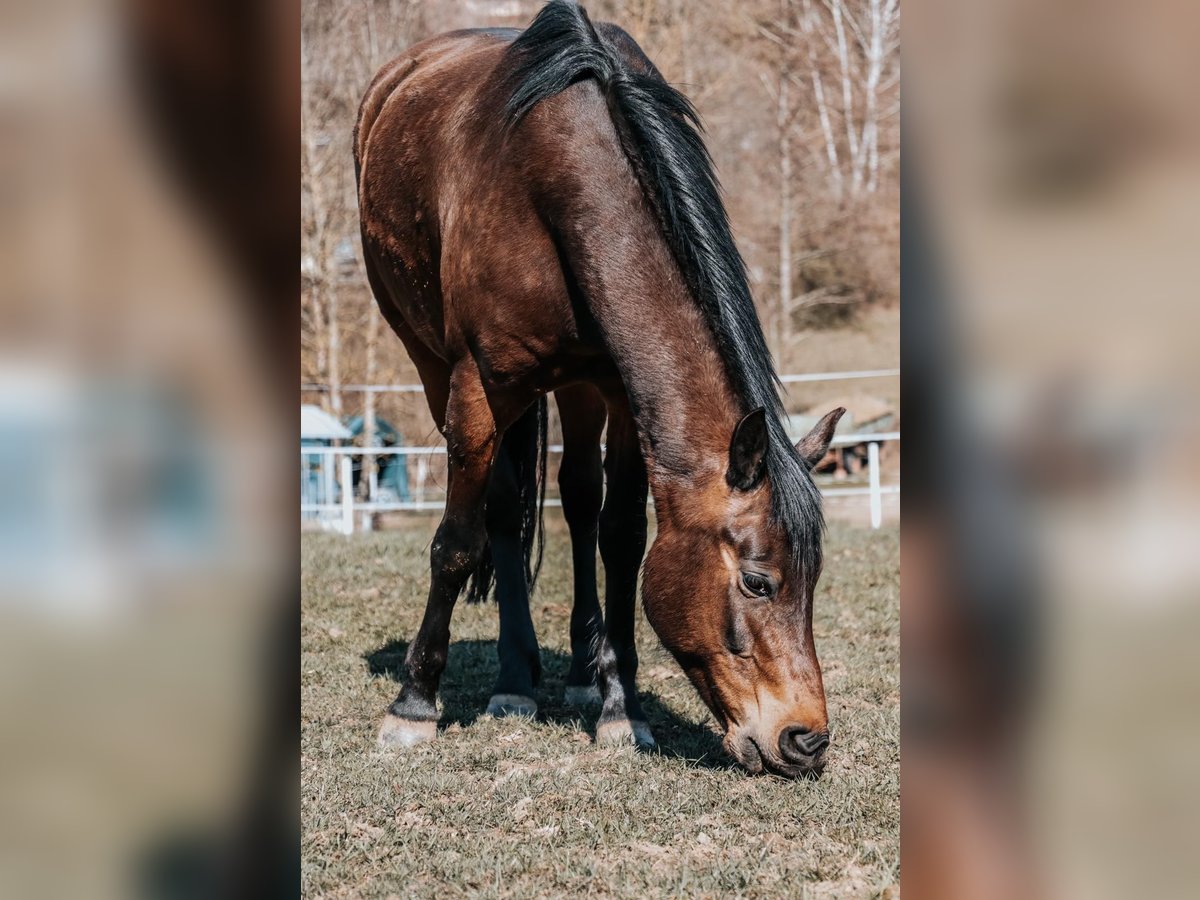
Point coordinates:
[[519, 808]]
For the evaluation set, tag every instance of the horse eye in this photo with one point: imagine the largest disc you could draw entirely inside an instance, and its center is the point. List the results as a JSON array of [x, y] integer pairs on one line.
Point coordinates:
[[757, 584]]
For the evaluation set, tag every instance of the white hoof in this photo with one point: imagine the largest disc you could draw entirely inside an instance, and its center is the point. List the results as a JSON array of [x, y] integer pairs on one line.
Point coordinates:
[[502, 705], [582, 695], [398, 732], [626, 731]]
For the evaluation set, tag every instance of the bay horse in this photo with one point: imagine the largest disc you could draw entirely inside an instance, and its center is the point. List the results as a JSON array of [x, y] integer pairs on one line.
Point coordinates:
[[539, 214]]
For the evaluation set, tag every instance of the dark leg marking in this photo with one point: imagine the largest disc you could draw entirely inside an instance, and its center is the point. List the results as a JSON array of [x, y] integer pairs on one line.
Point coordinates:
[[581, 486], [520, 666], [622, 541], [457, 547]]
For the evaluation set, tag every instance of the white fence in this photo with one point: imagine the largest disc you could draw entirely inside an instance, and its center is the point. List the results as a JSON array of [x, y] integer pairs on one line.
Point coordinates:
[[341, 507], [333, 469], [420, 388]]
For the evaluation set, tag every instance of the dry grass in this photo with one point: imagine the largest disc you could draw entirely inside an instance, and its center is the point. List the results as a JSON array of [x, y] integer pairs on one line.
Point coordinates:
[[520, 808]]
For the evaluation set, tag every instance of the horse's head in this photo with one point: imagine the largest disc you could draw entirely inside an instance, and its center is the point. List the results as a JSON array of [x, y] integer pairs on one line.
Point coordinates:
[[723, 592]]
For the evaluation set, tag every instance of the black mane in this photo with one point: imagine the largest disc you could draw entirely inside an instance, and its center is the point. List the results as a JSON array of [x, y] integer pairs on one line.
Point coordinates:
[[661, 133]]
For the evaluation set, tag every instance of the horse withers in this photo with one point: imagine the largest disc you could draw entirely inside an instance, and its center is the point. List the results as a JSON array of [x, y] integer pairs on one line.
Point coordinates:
[[539, 214]]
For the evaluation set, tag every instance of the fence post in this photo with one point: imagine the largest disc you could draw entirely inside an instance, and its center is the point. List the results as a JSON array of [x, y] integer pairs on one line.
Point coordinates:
[[873, 475], [328, 462], [370, 468], [347, 496]]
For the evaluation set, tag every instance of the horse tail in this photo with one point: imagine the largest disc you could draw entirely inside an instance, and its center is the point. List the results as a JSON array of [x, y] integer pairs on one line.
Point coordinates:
[[523, 454], [660, 130], [562, 46], [533, 495]]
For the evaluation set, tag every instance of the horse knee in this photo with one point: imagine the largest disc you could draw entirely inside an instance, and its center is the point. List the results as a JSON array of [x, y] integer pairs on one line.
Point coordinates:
[[457, 549]]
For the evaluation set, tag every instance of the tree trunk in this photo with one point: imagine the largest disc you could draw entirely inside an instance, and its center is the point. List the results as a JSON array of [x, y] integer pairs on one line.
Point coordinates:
[[369, 476], [335, 356], [781, 325]]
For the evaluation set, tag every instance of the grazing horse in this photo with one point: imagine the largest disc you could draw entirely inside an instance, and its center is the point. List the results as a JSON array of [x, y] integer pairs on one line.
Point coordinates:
[[539, 214]]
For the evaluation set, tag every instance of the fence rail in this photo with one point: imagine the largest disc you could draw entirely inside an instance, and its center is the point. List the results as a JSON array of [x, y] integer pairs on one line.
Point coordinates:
[[341, 506], [842, 440], [419, 388]]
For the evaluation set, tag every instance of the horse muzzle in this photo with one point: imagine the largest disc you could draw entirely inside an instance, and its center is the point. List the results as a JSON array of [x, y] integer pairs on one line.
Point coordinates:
[[794, 752]]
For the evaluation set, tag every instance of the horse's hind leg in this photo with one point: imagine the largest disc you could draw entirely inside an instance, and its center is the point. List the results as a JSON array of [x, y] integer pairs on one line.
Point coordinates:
[[520, 667], [581, 486], [471, 438]]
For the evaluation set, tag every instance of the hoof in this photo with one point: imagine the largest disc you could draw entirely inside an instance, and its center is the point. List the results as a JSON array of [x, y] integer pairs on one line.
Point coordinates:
[[582, 695], [626, 731], [502, 705], [398, 732]]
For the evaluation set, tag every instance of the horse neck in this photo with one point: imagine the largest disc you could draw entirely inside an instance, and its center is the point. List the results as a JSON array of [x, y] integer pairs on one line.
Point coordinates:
[[678, 390], [678, 386]]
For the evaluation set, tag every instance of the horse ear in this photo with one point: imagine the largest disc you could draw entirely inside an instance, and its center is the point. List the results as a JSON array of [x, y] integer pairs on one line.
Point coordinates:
[[748, 452], [814, 445]]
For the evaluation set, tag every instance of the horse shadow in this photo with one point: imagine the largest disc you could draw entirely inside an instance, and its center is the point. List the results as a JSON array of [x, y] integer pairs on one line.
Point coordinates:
[[471, 670]]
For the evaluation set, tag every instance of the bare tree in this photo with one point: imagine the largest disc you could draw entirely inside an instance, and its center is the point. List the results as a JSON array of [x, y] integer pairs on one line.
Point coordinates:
[[800, 99], [326, 208], [857, 42]]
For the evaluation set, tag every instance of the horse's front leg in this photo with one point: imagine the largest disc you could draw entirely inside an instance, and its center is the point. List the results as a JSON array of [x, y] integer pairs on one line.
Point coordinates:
[[622, 546], [471, 442]]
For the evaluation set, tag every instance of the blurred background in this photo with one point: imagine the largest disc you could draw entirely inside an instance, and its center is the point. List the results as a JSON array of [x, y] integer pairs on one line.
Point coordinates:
[[1051, 521], [801, 105], [147, 604]]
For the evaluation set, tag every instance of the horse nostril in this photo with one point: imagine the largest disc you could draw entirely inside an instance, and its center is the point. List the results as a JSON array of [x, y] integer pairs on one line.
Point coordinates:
[[801, 745]]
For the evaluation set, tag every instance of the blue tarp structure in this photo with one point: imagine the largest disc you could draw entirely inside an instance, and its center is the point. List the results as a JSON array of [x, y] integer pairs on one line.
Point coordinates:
[[318, 484], [392, 467], [318, 471]]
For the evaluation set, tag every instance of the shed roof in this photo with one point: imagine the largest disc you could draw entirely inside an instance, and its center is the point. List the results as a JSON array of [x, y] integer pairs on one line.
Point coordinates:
[[318, 425], [862, 409]]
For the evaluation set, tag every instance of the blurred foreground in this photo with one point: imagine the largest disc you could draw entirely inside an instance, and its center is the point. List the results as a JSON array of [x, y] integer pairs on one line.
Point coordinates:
[[144, 575], [1051, 521]]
